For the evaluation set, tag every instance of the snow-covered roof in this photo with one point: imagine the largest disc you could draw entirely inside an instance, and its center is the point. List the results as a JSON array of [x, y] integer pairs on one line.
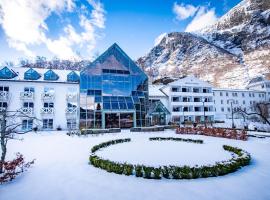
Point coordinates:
[[190, 81], [155, 90], [21, 70], [235, 90]]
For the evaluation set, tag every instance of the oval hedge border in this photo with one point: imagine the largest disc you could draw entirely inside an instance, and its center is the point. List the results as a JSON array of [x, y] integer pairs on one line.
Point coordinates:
[[240, 158]]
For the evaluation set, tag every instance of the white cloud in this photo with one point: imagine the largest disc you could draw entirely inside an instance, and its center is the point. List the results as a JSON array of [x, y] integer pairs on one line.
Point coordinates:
[[184, 11], [159, 38], [203, 18], [24, 24]]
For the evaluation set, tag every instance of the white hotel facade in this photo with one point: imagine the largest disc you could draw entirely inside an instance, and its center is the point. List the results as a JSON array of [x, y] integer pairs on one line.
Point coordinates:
[[47, 99], [52, 97], [191, 99]]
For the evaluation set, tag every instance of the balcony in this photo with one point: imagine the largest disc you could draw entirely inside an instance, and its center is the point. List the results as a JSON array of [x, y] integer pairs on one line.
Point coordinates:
[[27, 96], [27, 111], [47, 111], [72, 97], [71, 112], [3, 109], [4, 95], [47, 96]]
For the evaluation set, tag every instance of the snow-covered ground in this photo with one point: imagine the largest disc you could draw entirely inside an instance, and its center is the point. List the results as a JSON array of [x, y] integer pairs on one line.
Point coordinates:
[[61, 170]]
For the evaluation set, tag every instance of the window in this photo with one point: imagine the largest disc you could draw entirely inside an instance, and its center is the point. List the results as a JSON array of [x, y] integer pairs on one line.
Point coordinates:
[[174, 89], [249, 94], [221, 94], [48, 105], [253, 95], [222, 109], [196, 90], [244, 102], [197, 99], [50, 75], [228, 109], [184, 90], [27, 124], [4, 89], [197, 109], [221, 101], [115, 71], [185, 109], [228, 101], [47, 124], [3, 104], [7, 73], [29, 89], [73, 77], [175, 99], [71, 124], [48, 90], [227, 94], [28, 105], [243, 94], [176, 109], [31, 74]]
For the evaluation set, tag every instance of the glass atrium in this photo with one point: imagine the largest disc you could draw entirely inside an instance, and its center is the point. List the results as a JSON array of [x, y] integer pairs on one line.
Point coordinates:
[[113, 92]]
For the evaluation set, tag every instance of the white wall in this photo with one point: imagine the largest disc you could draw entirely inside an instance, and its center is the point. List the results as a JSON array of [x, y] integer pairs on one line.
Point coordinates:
[[244, 99], [60, 102]]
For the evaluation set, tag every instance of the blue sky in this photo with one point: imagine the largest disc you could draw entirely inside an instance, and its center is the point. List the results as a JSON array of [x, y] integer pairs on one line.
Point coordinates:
[[71, 29]]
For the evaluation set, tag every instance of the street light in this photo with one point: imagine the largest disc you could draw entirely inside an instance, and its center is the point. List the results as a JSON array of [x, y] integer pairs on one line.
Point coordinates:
[[204, 112], [183, 116], [231, 101]]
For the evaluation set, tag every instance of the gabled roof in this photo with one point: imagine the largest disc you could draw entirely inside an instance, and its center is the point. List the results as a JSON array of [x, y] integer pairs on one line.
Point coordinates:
[[31, 74], [121, 61], [190, 80], [155, 91], [7, 73], [157, 108]]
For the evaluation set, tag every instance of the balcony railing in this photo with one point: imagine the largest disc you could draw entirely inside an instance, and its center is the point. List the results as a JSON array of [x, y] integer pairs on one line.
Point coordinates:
[[27, 111], [47, 111], [4, 95], [72, 97], [2, 109], [71, 110], [47, 96], [27, 95]]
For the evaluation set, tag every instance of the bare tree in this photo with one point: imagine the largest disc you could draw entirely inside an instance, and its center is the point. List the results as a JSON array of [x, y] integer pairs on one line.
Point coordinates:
[[260, 109], [9, 128]]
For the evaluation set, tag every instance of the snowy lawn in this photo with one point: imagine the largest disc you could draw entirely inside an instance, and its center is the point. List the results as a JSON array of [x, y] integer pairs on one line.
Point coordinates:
[[61, 170]]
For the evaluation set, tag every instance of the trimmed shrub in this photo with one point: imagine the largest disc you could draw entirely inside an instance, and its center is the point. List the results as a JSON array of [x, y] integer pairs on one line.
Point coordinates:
[[240, 158]]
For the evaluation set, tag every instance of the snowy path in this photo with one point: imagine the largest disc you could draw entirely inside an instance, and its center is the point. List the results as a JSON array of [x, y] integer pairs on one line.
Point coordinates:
[[61, 172]]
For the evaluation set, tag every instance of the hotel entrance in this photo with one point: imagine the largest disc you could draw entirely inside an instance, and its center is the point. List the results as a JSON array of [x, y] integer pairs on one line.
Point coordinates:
[[119, 120]]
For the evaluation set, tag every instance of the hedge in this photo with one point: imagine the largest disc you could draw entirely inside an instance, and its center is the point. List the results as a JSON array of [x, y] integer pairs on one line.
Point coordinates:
[[240, 158]]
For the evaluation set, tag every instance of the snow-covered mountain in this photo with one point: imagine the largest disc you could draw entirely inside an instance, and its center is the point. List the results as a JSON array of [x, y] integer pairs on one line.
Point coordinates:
[[227, 54]]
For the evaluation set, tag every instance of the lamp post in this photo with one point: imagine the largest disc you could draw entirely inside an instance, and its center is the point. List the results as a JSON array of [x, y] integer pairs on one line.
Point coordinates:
[[204, 113], [183, 117]]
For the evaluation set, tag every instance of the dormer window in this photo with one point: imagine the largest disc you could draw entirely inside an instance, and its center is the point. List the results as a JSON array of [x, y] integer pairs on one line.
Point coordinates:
[[31, 74], [7, 73], [50, 75], [73, 77]]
